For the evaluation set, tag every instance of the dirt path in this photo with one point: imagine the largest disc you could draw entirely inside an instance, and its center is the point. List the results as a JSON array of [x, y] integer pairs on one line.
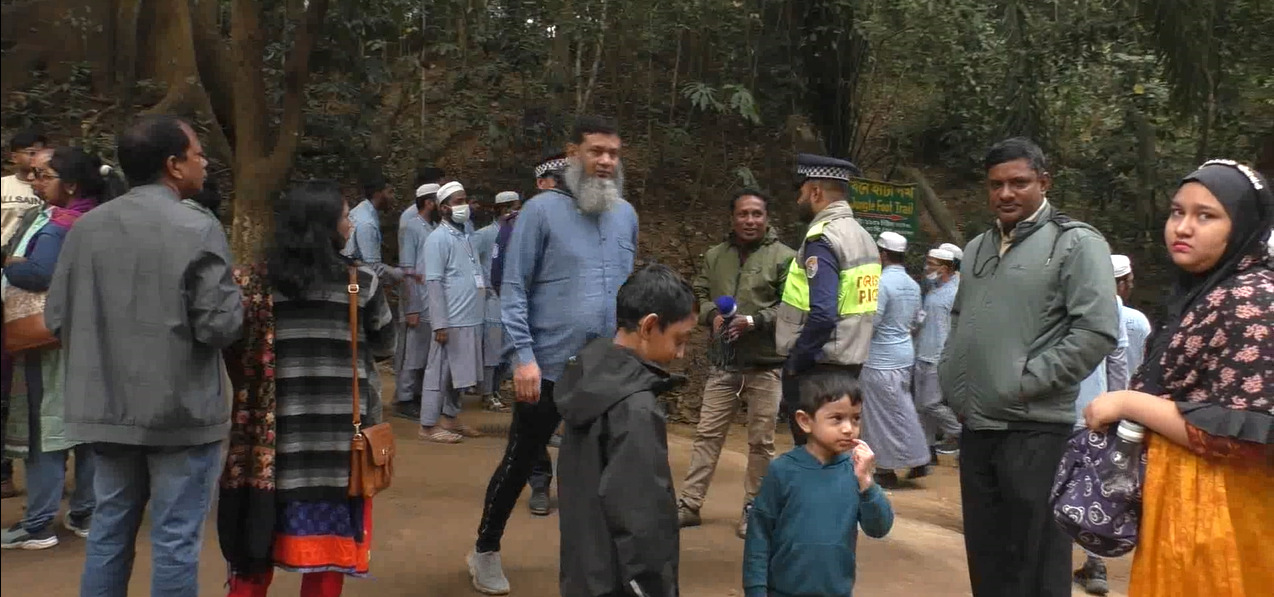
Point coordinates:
[[426, 523]]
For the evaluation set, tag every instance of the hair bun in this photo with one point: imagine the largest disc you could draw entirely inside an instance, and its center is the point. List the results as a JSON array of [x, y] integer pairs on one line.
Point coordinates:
[[105, 170]]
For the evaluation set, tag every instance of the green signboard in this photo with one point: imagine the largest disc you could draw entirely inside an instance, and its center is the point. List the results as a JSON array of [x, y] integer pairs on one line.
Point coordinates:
[[881, 206]]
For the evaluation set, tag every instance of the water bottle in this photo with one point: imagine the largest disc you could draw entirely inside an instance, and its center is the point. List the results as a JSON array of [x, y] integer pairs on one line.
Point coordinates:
[[1120, 472]]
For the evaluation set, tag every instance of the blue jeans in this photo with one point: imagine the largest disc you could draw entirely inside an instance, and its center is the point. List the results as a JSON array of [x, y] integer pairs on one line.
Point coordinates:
[[178, 483], [46, 476]]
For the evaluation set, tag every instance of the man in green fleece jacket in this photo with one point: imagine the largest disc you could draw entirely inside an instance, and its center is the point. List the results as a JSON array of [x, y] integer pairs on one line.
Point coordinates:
[[750, 266], [1034, 316]]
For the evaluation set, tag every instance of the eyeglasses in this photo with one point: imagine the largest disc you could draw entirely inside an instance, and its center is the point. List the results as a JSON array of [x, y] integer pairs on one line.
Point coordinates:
[[40, 174]]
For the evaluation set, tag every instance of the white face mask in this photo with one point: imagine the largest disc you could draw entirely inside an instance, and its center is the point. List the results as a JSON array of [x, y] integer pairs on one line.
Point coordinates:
[[460, 214], [932, 276]]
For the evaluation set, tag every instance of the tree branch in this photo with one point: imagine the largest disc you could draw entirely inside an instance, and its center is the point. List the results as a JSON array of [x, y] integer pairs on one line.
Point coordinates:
[[127, 13], [247, 48], [214, 60], [597, 58], [296, 73]]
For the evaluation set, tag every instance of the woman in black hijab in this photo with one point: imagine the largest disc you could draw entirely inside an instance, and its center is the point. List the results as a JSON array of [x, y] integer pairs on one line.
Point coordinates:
[[1206, 392]]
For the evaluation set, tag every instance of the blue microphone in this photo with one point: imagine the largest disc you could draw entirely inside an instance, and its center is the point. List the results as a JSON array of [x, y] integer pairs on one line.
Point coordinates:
[[721, 350], [726, 306]]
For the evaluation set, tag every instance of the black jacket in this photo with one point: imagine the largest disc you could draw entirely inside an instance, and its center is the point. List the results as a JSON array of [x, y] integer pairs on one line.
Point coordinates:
[[617, 508]]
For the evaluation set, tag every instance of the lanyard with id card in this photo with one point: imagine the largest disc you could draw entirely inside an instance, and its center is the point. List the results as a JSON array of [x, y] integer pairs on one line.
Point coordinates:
[[478, 281]]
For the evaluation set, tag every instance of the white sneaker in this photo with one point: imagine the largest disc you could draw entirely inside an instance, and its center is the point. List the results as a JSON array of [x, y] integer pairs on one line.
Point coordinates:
[[487, 573]]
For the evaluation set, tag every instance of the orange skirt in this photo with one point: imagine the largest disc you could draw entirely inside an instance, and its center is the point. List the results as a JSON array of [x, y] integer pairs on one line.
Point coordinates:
[[1207, 526]]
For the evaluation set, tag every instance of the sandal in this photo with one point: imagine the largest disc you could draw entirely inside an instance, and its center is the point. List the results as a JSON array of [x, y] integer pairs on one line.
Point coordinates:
[[493, 404], [439, 436]]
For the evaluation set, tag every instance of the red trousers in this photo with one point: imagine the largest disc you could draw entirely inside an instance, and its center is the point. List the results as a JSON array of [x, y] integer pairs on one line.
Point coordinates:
[[313, 584]]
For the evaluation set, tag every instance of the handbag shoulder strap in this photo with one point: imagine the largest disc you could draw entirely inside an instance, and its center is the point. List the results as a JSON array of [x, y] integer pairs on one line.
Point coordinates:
[[353, 343]]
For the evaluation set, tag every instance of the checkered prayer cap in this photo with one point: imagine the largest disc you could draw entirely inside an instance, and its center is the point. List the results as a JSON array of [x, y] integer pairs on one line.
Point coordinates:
[[816, 166], [552, 163]]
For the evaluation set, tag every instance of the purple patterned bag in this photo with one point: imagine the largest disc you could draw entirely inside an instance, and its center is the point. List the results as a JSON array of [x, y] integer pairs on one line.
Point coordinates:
[[1101, 523]]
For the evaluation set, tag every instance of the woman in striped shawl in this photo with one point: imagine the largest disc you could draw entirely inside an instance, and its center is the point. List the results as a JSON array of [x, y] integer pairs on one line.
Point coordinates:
[[284, 491]]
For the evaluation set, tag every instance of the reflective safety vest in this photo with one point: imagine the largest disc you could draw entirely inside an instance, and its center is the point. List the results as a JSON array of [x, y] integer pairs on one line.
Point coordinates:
[[859, 283]]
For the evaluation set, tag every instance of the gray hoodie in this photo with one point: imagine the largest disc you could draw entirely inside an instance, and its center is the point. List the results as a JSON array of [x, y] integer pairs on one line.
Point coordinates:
[[618, 512], [1028, 326]]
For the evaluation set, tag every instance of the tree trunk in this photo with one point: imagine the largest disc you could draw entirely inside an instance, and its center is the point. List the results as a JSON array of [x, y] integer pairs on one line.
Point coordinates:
[[937, 210], [261, 166], [253, 214], [597, 58], [1265, 158], [1146, 160], [174, 63], [124, 42]]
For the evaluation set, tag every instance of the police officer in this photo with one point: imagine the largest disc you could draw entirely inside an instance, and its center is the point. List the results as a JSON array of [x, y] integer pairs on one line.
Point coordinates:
[[825, 318]]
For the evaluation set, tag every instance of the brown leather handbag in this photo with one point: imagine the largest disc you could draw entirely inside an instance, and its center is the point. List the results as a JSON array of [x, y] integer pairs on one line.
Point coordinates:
[[371, 466], [24, 322]]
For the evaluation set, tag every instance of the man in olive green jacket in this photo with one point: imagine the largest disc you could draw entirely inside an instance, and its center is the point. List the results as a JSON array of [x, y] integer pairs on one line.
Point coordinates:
[[1034, 315], [751, 267]]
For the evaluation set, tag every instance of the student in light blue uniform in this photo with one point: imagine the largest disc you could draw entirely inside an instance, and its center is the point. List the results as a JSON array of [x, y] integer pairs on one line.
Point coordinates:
[[935, 325], [1112, 374], [484, 240], [413, 350], [364, 243], [890, 422], [455, 291], [1136, 325], [425, 177]]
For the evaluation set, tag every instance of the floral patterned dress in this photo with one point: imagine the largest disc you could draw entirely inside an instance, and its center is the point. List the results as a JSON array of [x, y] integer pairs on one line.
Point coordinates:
[[1208, 518]]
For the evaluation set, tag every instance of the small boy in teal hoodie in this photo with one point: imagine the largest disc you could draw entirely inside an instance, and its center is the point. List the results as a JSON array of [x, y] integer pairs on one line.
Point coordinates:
[[803, 527]]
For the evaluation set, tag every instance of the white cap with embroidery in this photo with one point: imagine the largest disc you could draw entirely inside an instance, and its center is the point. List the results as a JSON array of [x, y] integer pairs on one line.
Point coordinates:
[[1122, 265], [892, 241]]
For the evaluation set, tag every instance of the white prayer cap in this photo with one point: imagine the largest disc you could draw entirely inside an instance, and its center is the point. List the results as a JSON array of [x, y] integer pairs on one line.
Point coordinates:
[[955, 250], [448, 190], [426, 189], [941, 255], [506, 197], [1122, 265], [892, 241]]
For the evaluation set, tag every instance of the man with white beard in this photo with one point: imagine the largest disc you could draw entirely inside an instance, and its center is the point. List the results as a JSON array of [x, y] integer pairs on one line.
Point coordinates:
[[571, 250]]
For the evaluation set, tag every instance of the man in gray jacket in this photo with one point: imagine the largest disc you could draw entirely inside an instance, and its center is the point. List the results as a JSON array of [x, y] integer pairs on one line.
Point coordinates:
[[143, 301], [1035, 313]]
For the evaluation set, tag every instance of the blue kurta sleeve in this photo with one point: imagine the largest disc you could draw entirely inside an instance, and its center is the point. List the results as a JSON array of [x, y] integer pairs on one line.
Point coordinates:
[[824, 290], [520, 263], [36, 272], [416, 293], [497, 253], [367, 240], [437, 252], [408, 236]]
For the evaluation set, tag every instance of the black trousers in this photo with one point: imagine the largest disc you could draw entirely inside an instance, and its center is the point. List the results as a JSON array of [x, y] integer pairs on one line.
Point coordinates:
[[533, 426], [1013, 546], [790, 385]]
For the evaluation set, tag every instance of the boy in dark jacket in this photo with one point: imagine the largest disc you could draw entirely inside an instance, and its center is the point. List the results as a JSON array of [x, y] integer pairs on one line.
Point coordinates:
[[803, 531], [618, 512]]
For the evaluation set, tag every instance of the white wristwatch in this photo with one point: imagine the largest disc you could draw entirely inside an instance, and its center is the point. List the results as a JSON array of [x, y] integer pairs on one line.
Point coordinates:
[[751, 324]]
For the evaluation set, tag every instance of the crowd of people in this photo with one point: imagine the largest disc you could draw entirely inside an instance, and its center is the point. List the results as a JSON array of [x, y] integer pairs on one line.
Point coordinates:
[[170, 373]]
